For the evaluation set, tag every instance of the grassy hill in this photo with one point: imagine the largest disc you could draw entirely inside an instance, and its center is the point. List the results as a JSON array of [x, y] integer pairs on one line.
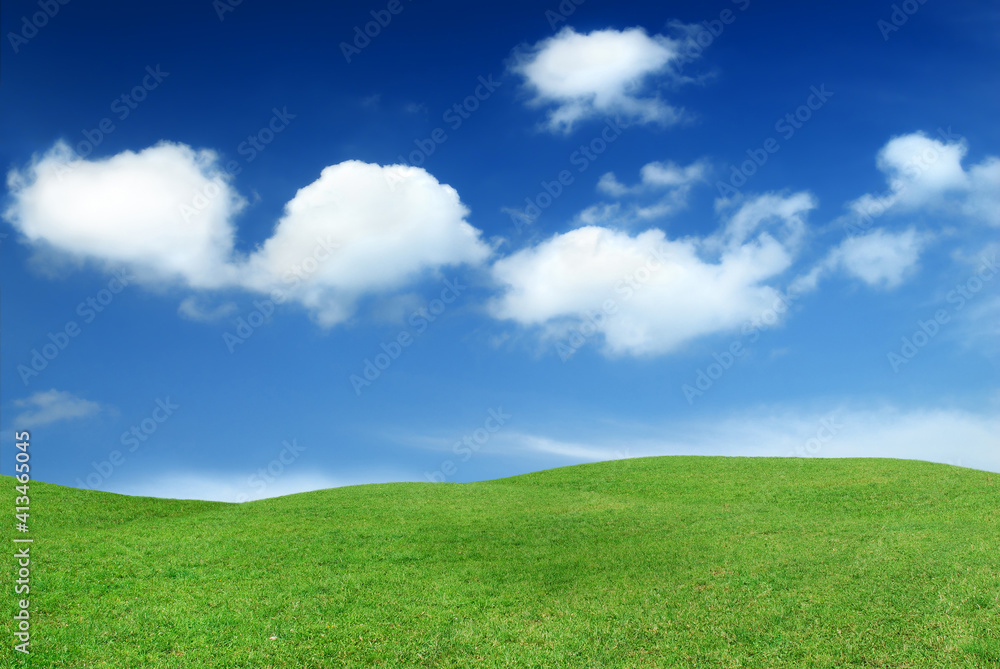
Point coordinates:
[[655, 562]]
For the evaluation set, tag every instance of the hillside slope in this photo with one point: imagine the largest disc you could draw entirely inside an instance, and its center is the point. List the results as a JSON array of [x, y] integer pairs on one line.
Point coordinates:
[[654, 562]]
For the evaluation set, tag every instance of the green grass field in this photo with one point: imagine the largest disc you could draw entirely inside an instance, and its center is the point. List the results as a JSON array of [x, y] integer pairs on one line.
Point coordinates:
[[654, 562]]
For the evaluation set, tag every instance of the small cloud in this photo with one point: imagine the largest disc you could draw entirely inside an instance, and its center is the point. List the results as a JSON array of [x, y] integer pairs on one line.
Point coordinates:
[[673, 181], [193, 310], [601, 73], [655, 176], [601, 214], [372, 101], [881, 259], [51, 406], [415, 108]]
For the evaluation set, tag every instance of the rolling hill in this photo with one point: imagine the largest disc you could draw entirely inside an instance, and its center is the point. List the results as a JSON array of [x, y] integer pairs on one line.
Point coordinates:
[[653, 562]]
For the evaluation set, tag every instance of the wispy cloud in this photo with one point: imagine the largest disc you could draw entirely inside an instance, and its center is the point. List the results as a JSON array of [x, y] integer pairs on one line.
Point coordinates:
[[51, 406], [942, 435], [193, 309], [237, 487]]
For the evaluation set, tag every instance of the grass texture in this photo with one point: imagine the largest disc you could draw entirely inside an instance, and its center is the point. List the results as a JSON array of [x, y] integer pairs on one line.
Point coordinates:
[[652, 562]]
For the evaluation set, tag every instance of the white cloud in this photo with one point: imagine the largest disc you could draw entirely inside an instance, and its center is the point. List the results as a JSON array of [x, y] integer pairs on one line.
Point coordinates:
[[653, 176], [193, 309], [609, 185], [881, 259], [125, 210], [748, 219], [573, 450], [602, 72], [663, 292], [380, 227], [601, 214], [166, 213], [668, 178], [51, 406], [926, 173]]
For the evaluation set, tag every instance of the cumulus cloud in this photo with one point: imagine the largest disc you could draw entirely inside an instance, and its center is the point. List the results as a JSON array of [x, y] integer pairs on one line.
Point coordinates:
[[604, 72], [368, 229], [52, 406], [126, 210], [924, 175], [647, 293], [881, 259], [927, 173], [167, 214]]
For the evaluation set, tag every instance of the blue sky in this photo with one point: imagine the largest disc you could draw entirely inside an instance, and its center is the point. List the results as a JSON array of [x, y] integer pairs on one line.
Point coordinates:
[[267, 255]]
